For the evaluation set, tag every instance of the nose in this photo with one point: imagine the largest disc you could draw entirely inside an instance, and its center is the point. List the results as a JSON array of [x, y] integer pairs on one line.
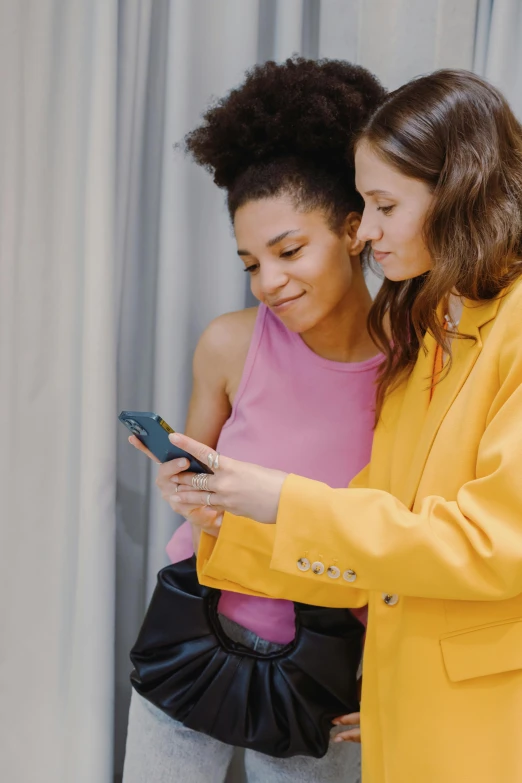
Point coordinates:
[[369, 229], [271, 278]]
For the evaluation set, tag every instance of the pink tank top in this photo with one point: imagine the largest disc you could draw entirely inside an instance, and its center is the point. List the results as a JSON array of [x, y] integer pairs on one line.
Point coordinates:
[[298, 412]]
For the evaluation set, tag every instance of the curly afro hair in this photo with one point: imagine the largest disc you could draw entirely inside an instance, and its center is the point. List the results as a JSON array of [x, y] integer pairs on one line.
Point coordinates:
[[289, 128]]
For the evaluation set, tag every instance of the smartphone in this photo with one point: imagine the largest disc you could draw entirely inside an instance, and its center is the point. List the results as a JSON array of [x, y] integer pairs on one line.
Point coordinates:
[[153, 432]]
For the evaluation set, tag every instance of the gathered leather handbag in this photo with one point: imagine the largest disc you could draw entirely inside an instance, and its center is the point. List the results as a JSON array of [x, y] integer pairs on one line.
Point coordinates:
[[280, 703]]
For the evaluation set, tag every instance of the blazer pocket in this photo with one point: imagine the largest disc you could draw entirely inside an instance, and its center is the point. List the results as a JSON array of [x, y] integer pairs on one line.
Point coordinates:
[[477, 652]]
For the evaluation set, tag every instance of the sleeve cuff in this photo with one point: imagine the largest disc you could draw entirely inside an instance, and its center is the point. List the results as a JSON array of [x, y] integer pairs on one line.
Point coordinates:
[[238, 560], [307, 538]]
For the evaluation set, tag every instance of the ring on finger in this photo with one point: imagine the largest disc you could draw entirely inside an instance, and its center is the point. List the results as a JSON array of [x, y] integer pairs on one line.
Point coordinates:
[[213, 460], [200, 481], [209, 499]]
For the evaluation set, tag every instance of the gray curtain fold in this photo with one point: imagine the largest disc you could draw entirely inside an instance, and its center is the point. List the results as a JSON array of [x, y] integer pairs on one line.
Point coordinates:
[[142, 60], [58, 292], [497, 46]]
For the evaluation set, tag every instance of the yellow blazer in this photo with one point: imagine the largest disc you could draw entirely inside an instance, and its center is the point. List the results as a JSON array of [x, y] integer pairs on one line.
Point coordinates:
[[432, 531]]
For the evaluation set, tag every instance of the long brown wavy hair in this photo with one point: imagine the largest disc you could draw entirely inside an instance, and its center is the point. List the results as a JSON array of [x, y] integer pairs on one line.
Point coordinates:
[[457, 133]]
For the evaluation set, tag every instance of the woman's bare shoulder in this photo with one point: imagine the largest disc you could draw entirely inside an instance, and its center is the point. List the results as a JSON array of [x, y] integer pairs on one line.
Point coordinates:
[[229, 334], [222, 350]]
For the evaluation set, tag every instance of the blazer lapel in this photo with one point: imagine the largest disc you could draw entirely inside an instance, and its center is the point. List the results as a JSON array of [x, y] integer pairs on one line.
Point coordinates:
[[421, 418]]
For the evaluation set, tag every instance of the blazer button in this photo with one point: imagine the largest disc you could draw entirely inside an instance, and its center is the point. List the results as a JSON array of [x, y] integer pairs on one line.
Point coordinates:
[[350, 575], [318, 568], [333, 572], [389, 599], [303, 564]]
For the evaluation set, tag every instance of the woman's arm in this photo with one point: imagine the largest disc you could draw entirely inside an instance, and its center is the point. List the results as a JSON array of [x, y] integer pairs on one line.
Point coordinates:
[[239, 560], [469, 548], [217, 369], [209, 405]]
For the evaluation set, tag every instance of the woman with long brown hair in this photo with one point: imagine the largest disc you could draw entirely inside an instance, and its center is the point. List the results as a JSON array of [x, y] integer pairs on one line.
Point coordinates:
[[432, 528]]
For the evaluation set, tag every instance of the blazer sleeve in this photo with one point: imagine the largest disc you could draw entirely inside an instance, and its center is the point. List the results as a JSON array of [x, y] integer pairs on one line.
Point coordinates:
[[469, 548], [239, 560]]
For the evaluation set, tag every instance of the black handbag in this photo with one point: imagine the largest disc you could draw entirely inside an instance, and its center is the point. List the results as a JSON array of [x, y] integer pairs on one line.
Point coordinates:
[[280, 703]]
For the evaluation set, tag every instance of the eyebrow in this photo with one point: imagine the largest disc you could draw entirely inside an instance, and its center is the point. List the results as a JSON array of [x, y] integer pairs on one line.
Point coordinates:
[[272, 242], [378, 192]]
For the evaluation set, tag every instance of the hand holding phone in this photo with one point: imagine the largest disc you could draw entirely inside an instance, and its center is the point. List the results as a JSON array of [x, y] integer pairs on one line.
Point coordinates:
[[138, 445], [144, 432], [153, 432]]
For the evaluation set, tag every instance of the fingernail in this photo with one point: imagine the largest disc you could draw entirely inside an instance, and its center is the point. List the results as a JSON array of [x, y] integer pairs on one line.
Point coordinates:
[[175, 499], [181, 463], [219, 520], [338, 739], [174, 437]]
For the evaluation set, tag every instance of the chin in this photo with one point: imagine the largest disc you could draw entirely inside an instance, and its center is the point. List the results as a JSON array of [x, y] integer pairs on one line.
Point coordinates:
[[297, 325], [400, 275], [294, 325]]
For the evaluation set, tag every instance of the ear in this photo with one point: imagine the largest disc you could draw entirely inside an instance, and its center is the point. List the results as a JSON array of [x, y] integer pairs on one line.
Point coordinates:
[[351, 226]]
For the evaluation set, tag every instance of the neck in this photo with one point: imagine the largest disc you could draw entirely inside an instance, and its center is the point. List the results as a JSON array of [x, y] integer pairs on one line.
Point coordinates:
[[343, 335]]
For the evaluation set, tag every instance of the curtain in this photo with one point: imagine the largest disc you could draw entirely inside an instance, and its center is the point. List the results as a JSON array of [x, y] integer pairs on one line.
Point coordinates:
[[115, 253], [497, 51], [57, 389], [399, 39]]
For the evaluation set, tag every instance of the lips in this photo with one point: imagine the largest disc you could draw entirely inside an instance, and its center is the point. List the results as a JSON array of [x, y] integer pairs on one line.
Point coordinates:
[[283, 304], [379, 255]]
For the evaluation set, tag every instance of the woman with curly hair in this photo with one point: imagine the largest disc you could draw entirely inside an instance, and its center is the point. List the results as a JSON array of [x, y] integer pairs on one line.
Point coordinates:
[[433, 527], [288, 383]]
